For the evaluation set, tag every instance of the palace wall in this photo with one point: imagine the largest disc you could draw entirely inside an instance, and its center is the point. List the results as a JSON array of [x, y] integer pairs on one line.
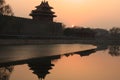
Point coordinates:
[[11, 25]]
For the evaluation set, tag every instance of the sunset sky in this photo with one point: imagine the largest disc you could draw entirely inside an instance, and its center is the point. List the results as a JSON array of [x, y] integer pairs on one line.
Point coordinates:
[[87, 13]]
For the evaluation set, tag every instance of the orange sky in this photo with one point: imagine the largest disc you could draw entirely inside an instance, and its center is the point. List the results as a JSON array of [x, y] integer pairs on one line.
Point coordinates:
[[88, 13]]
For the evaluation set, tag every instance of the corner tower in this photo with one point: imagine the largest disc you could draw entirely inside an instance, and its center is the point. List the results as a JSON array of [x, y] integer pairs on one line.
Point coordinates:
[[43, 12]]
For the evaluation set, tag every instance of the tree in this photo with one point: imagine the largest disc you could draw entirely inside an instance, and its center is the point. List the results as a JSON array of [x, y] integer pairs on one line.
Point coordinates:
[[114, 50], [115, 30], [115, 33], [80, 32], [5, 72], [5, 9]]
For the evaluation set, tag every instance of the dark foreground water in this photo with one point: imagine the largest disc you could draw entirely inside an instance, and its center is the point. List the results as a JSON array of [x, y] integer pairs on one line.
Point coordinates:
[[60, 62]]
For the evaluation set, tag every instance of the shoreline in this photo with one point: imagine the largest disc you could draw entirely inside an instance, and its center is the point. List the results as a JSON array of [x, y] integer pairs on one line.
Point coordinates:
[[53, 41]]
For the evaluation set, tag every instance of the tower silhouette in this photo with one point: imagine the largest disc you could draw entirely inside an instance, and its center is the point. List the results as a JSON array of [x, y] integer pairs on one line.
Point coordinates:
[[41, 68], [43, 12]]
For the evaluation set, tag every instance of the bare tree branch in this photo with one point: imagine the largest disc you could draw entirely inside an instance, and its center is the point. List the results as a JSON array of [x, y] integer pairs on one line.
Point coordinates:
[[5, 9]]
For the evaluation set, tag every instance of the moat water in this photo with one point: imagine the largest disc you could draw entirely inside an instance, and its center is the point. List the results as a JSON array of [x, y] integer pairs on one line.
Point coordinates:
[[60, 62]]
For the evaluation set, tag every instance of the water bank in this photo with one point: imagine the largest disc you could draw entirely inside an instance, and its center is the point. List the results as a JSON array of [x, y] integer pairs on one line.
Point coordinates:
[[38, 41], [50, 41]]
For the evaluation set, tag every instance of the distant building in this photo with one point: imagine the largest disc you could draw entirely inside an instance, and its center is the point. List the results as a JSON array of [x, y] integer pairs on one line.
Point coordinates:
[[42, 23]]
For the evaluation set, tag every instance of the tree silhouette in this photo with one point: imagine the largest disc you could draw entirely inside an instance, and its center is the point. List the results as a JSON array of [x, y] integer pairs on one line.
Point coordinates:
[[79, 32], [5, 72], [115, 33], [5, 9], [114, 50]]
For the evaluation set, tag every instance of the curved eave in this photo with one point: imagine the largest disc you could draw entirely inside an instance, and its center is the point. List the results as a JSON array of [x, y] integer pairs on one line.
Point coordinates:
[[42, 11], [48, 7], [43, 15]]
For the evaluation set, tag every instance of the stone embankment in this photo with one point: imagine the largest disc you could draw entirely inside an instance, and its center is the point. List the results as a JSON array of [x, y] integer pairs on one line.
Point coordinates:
[[50, 41], [37, 41]]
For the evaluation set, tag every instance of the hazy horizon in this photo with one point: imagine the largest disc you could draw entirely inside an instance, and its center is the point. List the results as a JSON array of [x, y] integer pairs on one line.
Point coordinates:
[[86, 13]]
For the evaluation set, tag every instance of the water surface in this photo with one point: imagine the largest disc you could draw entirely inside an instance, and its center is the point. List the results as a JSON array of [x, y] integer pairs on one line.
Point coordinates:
[[102, 63]]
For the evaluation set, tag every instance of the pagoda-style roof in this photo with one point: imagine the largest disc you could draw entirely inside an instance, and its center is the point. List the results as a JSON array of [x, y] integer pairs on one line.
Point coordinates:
[[41, 68], [44, 4], [44, 10]]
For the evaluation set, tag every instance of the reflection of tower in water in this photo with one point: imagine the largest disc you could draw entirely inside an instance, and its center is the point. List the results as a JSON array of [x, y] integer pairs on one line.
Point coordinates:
[[41, 68]]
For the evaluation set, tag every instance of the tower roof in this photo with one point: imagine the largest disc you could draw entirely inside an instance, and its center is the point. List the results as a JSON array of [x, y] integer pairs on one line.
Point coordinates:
[[41, 68], [44, 4], [44, 10]]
